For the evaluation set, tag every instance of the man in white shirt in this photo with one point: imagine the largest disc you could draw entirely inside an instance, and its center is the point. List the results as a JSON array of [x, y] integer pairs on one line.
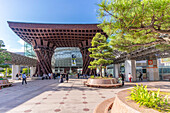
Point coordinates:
[[24, 78]]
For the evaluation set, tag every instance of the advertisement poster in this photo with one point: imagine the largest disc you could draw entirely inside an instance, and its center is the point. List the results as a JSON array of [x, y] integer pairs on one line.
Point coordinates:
[[73, 61]]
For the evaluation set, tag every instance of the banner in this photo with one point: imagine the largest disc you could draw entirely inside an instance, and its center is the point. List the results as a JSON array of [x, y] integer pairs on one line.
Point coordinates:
[[165, 60], [73, 61]]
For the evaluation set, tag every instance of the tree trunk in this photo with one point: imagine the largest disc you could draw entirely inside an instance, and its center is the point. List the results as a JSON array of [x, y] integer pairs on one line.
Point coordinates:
[[6, 73], [101, 70]]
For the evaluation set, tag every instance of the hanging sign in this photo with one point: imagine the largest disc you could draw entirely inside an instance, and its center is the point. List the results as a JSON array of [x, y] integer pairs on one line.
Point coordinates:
[[150, 62]]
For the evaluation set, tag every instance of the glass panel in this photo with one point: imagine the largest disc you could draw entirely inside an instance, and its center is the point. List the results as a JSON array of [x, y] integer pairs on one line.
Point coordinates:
[[28, 50], [63, 57]]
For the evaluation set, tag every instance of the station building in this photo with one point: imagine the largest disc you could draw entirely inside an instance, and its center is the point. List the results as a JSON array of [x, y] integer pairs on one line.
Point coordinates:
[[64, 48]]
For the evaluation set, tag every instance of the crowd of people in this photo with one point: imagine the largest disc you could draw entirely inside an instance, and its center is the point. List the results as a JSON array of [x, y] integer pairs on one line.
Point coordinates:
[[54, 76], [130, 77], [65, 76], [61, 76]]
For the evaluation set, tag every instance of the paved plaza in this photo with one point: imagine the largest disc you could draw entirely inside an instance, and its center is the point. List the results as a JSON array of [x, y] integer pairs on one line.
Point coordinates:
[[48, 96]]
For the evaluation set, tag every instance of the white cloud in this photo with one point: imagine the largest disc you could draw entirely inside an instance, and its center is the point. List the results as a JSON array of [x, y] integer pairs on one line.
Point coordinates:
[[21, 41], [14, 49]]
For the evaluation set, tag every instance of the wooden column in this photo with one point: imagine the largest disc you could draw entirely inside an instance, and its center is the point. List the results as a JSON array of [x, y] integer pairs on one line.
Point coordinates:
[[44, 51], [84, 46]]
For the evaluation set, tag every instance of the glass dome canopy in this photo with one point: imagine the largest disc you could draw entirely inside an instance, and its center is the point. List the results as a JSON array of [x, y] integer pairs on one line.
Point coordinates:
[[63, 57]]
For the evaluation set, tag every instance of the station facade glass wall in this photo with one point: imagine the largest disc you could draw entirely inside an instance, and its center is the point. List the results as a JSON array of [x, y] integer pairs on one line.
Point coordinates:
[[28, 50], [62, 58], [141, 66]]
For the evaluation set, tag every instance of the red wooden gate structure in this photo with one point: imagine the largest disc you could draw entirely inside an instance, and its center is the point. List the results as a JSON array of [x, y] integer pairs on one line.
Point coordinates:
[[45, 38]]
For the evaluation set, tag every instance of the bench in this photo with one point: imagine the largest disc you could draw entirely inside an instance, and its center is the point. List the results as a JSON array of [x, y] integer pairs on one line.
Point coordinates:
[[2, 84], [5, 83]]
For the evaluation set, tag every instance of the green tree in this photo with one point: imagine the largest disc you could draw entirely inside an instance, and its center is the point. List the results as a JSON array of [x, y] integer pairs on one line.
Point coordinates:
[[4, 56], [9, 71], [25, 70], [101, 52], [132, 24]]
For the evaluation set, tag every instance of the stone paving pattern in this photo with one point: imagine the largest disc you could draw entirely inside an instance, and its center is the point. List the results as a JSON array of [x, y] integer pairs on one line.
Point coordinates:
[[49, 96]]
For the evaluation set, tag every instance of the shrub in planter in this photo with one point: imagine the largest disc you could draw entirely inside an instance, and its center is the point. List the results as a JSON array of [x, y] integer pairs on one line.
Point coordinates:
[[150, 99], [93, 77]]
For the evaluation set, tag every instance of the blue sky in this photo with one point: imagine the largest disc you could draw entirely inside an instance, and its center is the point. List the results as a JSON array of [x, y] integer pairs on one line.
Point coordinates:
[[42, 11]]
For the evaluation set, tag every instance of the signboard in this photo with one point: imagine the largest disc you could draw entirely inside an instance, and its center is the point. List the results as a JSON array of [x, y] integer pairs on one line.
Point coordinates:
[[150, 62], [165, 60], [73, 60]]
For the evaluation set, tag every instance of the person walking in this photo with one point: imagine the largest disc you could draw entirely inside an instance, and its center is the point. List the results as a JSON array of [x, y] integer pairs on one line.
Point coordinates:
[[67, 77], [140, 76], [24, 77], [130, 77], [54, 76], [78, 75], [123, 78], [61, 78], [49, 75], [43, 76], [17, 76]]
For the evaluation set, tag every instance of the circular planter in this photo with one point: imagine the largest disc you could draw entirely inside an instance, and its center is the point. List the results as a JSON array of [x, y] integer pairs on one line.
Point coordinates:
[[123, 105], [91, 81]]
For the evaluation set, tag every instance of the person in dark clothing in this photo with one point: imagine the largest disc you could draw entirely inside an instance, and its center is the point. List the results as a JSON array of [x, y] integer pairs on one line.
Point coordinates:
[[123, 77], [61, 79], [78, 75], [67, 77], [58, 74], [140, 76], [17, 75], [54, 76], [24, 77], [106, 75]]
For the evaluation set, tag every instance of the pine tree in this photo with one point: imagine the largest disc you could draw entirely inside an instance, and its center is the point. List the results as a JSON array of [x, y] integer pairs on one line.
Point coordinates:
[[132, 24], [101, 52]]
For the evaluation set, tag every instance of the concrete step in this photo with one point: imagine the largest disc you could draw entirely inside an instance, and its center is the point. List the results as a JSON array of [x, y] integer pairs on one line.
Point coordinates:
[[105, 106]]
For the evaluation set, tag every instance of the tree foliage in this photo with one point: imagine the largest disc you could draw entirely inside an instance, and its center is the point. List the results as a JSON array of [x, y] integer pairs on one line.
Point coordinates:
[[9, 71], [4, 56], [150, 99], [100, 51], [132, 24], [25, 70]]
